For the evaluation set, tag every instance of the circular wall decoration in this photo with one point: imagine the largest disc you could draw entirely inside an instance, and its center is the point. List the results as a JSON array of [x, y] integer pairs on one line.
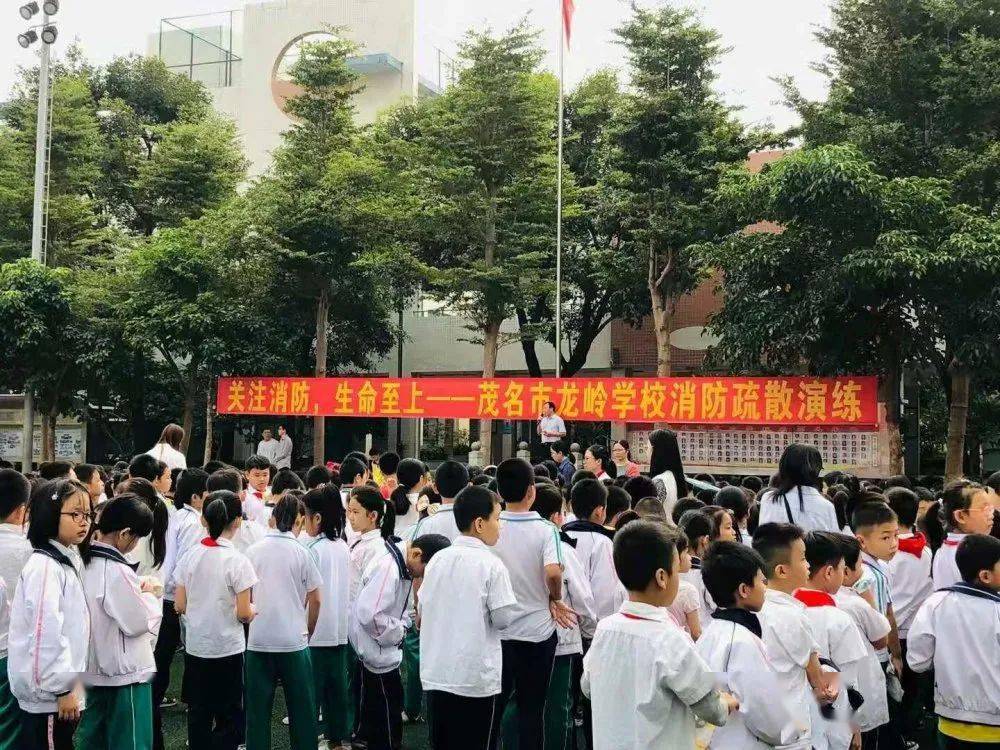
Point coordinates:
[[282, 88]]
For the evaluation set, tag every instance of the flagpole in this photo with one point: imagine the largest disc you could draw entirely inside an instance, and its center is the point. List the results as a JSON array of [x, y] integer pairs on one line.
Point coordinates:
[[559, 169]]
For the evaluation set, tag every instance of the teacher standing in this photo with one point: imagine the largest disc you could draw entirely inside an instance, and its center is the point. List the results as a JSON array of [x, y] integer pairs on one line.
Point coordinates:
[[283, 457], [550, 425]]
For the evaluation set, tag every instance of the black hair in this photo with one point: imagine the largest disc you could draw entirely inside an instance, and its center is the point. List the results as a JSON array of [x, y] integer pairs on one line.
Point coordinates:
[[408, 475], [372, 501], [650, 507], [579, 475], [317, 476], [144, 466], [733, 500], [127, 511], [618, 502], [221, 510], [696, 524], [640, 487], [213, 466], [161, 466], [602, 454], [56, 470], [718, 514], [977, 552], [285, 480], [683, 505], [191, 482], [541, 471], [15, 490], [548, 500], [472, 503], [260, 463], [326, 502], [225, 479], [626, 518], [851, 548], [773, 542], [174, 474], [905, 503], [870, 514], [429, 545], [85, 472], [955, 496], [351, 469], [451, 478], [666, 456], [899, 480], [388, 462], [514, 477], [641, 548], [823, 548], [725, 566], [46, 506], [800, 466], [839, 499], [161, 516], [993, 481], [587, 496], [480, 480], [559, 446], [753, 518], [752, 483], [287, 511]]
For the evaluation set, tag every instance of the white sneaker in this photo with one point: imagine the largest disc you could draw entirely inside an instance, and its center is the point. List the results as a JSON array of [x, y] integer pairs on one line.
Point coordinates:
[[285, 721]]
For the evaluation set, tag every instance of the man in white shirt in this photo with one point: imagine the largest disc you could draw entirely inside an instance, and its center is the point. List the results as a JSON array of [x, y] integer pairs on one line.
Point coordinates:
[[529, 640], [268, 447], [550, 425], [284, 458]]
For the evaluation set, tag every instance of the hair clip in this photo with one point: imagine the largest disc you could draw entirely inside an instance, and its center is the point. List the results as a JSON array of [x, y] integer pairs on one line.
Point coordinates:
[[55, 495]]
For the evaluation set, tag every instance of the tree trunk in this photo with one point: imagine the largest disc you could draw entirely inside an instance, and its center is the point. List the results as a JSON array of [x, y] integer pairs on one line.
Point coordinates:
[[491, 345], [187, 418], [322, 323], [209, 425], [958, 414], [662, 319], [528, 346], [49, 435], [889, 395]]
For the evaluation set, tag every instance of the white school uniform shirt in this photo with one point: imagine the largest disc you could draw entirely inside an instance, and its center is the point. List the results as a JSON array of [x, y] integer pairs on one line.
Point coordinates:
[[527, 544], [247, 535], [212, 574], [334, 562], [184, 530], [15, 549], [172, 458], [873, 626], [381, 615], [705, 604], [812, 513], [686, 601], [789, 642], [366, 548], [409, 519], [465, 598], [945, 570], [442, 522], [49, 629], [909, 579], [253, 506], [766, 718], [122, 621], [350, 535], [958, 634], [645, 682], [286, 572], [594, 549], [579, 597], [143, 552], [875, 576]]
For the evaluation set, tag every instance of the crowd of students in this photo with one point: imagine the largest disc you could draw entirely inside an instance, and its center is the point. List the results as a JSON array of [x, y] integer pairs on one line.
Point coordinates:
[[523, 606]]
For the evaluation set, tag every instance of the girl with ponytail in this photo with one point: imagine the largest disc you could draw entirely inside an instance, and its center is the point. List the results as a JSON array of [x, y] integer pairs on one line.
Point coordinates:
[[412, 478], [214, 571], [965, 508], [287, 597], [151, 552], [332, 659], [375, 520]]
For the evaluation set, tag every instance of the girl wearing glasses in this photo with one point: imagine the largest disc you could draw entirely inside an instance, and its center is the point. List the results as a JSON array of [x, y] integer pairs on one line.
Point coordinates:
[[49, 619]]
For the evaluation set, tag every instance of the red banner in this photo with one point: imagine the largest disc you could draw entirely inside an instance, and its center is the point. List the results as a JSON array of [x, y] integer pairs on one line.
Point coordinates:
[[779, 401]]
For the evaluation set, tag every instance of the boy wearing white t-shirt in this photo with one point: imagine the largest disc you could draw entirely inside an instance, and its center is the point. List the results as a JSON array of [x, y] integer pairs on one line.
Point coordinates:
[[465, 599], [450, 478]]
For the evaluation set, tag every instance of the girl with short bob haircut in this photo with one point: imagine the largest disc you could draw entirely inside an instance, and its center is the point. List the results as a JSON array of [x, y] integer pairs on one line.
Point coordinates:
[[125, 613], [214, 571], [49, 620]]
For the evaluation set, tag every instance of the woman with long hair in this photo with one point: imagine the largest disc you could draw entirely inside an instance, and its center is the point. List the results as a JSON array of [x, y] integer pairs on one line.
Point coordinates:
[[796, 496], [666, 468], [168, 447]]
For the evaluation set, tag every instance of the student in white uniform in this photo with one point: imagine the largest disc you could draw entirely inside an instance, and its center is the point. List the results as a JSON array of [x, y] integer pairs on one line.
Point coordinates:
[[686, 606], [287, 599], [374, 520], [450, 478], [529, 547], [465, 598], [184, 531], [411, 479], [258, 477], [957, 632], [231, 480], [332, 659], [588, 499], [699, 527], [797, 498], [151, 552], [966, 508], [378, 623], [125, 616], [213, 597], [353, 473], [840, 644], [788, 639], [731, 645], [642, 674], [49, 623], [874, 629], [15, 549]]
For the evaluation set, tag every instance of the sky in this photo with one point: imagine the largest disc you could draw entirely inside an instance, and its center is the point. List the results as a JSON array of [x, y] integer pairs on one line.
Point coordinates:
[[767, 37]]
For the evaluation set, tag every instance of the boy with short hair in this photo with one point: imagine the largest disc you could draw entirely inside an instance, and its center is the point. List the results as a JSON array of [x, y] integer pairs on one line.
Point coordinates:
[[731, 645], [529, 548], [450, 479], [957, 632], [387, 464], [15, 549], [589, 498], [787, 636], [258, 476], [645, 680], [465, 599]]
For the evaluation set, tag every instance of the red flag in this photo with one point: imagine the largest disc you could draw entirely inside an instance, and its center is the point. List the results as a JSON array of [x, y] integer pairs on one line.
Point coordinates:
[[568, 8]]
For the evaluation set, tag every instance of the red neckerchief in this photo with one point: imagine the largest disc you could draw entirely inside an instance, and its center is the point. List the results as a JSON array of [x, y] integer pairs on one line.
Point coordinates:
[[951, 542], [636, 617], [813, 598], [209, 542], [914, 545]]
